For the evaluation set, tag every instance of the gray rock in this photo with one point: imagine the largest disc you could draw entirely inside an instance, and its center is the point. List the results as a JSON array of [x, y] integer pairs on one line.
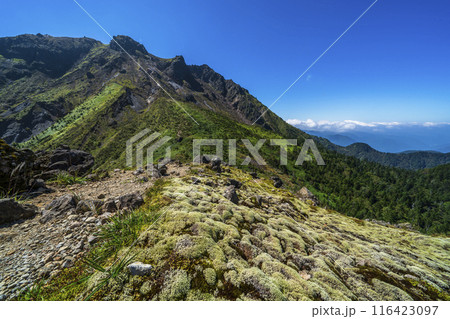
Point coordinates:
[[62, 165], [91, 220], [140, 269], [216, 164], [11, 211], [68, 262], [277, 182], [104, 217], [202, 159], [231, 195], [130, 201], [48, 215], [110, 206], [62, 204], [234, 182], [139, 171], [92, 240]]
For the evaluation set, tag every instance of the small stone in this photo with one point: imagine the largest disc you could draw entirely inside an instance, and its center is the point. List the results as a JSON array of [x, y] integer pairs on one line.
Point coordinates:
[[68, 262], [92, 240], [139, 171], [139, 269], [91, 220]]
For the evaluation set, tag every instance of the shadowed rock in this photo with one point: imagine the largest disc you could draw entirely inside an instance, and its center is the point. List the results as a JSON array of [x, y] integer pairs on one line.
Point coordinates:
[[11, 211]]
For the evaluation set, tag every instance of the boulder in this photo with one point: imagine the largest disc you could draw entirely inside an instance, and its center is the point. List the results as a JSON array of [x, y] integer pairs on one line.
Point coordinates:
[[130, 201], [162, 169], [202, 159], [277, 182], [63, 203], [62, 165], [63, 158], [110, 206], [234, 182], [216, 164], [231, 195], [11, 211]]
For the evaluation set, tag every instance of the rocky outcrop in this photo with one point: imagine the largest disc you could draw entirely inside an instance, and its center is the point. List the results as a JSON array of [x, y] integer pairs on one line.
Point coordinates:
[[63, 158], [16, 168], [25, 171], [11, 211]]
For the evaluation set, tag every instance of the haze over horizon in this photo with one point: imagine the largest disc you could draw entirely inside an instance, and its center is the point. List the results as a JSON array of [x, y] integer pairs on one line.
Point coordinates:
[[390, 67]]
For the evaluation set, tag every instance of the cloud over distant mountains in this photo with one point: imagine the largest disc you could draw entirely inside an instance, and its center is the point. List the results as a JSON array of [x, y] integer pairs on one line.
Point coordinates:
[[351, 125]]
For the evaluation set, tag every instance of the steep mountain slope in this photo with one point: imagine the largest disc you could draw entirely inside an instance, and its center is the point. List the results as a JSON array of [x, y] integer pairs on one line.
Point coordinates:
[[104, 99]]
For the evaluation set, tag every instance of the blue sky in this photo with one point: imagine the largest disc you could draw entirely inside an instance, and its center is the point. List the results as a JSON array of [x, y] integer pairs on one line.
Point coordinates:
[[393, 65]]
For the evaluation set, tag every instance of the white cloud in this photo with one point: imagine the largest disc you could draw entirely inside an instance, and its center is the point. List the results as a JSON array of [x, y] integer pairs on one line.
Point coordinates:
[[349, 125]]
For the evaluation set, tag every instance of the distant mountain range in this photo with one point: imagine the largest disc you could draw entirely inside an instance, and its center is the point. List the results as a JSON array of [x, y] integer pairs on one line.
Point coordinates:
[[392, 139], [408, 147]]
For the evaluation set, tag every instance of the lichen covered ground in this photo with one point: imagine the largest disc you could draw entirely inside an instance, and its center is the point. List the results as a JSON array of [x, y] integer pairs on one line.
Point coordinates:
[[269, 246]]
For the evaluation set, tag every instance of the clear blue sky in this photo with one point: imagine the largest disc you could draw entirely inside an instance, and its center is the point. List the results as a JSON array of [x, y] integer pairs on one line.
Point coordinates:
[[394, 65]]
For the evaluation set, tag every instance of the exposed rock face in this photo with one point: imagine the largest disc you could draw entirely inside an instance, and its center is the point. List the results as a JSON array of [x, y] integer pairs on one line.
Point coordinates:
[[16, 168], [11, 211], [181, 74], [75, 162], [23, 170]]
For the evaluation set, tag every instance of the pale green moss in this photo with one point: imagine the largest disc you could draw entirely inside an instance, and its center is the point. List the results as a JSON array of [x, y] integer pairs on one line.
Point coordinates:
[[210, 276], [176, 285]]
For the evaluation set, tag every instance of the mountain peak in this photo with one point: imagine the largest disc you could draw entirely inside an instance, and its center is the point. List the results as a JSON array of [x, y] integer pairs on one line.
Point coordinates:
[[127, 43]]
